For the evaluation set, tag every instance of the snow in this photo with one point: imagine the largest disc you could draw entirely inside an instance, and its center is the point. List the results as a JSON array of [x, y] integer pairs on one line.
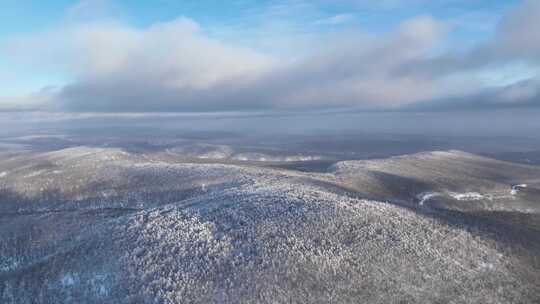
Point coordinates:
[[260, 157], [68, 280], [468, 196], [202, 151], [424, 197], [3, 174], [100, 284], [102, 290], [516, 188], [8, 264]]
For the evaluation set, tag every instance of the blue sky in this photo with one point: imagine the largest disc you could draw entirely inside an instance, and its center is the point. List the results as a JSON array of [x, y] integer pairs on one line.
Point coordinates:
[[266, 32], [29, 15]]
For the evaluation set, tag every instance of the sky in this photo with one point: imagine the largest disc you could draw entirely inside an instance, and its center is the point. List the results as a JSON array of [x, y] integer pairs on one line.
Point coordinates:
[[269, 56]]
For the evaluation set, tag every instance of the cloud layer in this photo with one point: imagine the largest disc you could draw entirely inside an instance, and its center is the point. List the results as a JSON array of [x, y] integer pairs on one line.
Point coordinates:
[[178, 66]]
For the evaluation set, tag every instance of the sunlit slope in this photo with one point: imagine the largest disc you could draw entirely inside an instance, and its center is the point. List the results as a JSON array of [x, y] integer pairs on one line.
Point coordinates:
[[452, 179]]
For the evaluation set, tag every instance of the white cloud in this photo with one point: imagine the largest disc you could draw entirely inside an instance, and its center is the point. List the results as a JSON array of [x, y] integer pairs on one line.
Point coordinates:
[[177, 66], [518, 34], [176, 52]]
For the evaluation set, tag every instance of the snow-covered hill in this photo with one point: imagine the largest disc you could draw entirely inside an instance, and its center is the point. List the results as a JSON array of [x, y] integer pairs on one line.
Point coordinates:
[[101, 225]]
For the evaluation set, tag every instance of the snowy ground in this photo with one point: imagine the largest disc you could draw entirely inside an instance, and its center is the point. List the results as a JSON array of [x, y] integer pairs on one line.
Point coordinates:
[[105, 225]]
